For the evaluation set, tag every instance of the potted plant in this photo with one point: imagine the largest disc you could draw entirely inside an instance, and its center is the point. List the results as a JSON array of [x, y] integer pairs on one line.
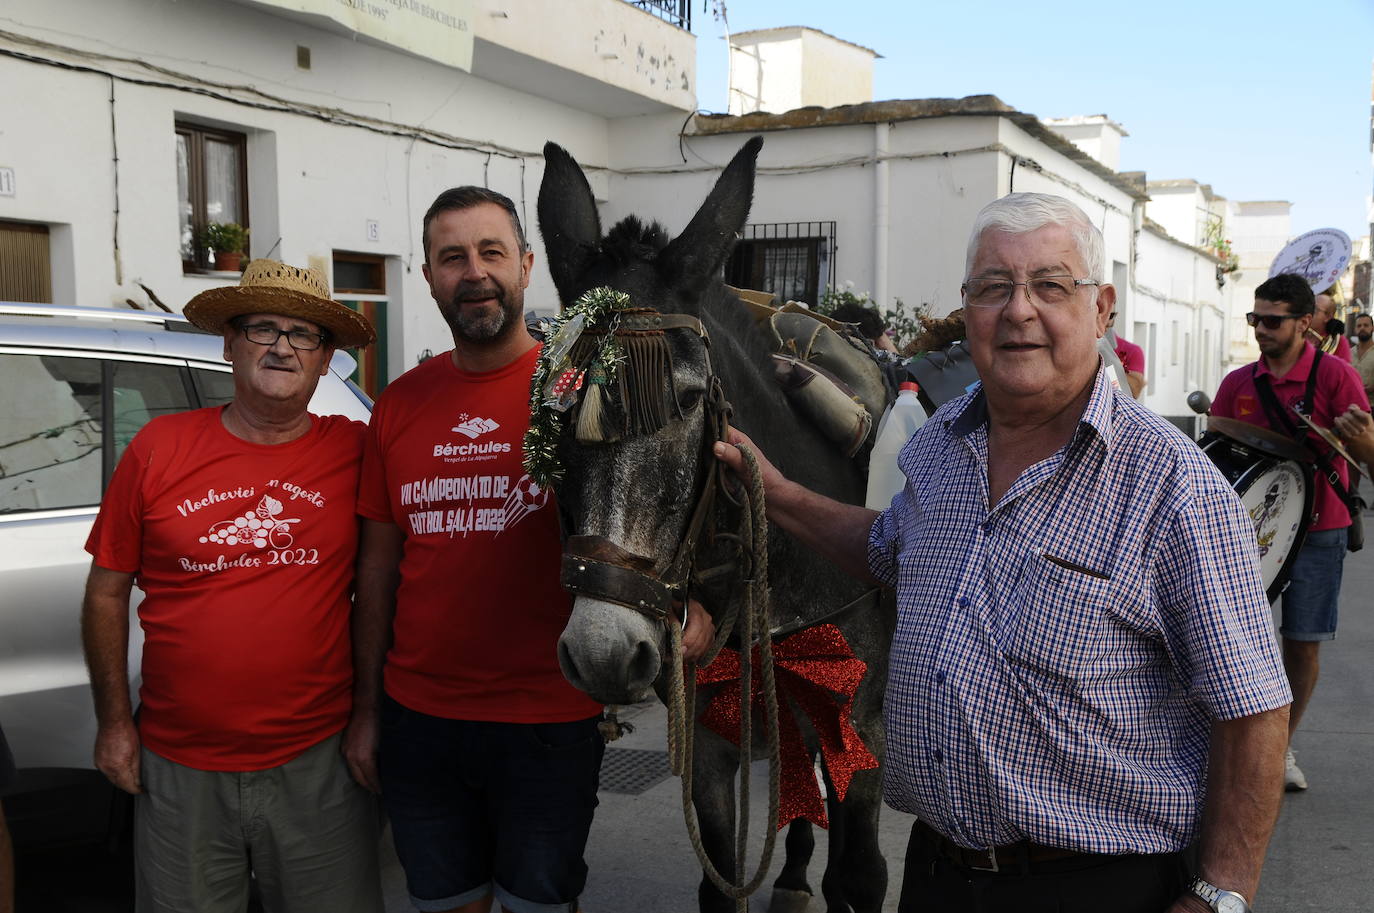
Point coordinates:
[[227, 240]]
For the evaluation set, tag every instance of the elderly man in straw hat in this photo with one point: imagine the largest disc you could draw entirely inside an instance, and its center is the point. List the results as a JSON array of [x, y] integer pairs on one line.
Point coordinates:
[[237, 522]]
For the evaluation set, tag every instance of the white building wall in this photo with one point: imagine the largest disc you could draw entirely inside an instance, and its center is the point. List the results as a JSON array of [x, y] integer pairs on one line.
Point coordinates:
[[1179, 319], [1258, 231], [314, 185], [781, 69], [1182, 210]]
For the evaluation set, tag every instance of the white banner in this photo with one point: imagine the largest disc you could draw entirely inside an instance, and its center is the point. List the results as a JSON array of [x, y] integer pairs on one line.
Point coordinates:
[[437, 29]]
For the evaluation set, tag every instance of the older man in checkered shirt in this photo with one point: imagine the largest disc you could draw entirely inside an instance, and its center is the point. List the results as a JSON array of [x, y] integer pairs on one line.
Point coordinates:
[[1086, 709]]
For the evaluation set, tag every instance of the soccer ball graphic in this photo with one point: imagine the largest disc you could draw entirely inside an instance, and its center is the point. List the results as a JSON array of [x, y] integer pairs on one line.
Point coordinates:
[[525, 497], [530, 494]]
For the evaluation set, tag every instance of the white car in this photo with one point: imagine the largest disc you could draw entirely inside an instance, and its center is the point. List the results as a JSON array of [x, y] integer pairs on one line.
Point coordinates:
[[76, 384]]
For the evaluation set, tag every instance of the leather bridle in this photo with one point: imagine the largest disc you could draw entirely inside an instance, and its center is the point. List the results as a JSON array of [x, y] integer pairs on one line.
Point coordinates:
[[598, 568]]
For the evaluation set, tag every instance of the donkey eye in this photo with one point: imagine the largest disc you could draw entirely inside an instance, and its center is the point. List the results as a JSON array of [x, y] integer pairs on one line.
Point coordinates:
[[690, 399]]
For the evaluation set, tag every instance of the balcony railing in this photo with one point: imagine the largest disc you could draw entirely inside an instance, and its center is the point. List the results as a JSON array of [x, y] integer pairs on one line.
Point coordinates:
[[678, 12]]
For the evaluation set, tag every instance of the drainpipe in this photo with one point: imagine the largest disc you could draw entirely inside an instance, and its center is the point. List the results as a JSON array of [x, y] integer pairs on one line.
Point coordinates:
[[881, 196]]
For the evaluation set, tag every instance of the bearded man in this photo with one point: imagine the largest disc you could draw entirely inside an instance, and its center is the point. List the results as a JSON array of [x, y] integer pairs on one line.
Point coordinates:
[[1361, 357], [486, 758]]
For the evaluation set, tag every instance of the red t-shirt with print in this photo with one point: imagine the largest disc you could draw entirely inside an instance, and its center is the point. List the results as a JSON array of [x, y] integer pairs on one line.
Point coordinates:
[[1338, 388], [479, 608], [245, 555]]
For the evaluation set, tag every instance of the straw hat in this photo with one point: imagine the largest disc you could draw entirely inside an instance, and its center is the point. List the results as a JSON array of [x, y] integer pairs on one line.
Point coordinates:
[[269, 287]]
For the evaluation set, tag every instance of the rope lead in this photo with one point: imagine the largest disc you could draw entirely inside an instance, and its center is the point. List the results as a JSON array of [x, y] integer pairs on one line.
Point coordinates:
[[754, 625]]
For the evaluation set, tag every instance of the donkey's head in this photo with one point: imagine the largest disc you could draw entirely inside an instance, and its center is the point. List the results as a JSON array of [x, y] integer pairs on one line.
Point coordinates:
[[636, 458]]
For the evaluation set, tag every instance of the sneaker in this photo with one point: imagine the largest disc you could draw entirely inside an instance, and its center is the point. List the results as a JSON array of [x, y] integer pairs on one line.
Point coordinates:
[[1293, 778]]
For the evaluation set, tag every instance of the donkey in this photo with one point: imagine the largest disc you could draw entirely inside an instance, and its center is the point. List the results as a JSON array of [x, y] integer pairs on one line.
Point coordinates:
[[634, 494]]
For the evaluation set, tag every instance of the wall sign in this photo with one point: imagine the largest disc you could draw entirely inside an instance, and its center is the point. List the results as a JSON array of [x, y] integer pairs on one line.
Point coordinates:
[[438, 29]]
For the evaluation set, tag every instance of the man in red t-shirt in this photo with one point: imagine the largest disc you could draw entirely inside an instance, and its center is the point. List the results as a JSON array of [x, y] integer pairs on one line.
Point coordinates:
[[1324, 332], [238, 523], [1283, 311], [486, 758], [1131, 356]]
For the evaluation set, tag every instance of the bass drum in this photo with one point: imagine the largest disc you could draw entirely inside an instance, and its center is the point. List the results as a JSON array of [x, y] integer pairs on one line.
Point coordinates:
[[1273, 476]]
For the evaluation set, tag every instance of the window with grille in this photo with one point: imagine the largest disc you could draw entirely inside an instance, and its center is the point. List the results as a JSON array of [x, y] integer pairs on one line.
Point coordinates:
[[793, 260], [212, 185]]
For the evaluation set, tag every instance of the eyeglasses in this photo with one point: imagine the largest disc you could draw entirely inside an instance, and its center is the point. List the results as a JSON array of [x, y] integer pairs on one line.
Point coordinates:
[[1047, 290], [1271, 321], [264, 334]]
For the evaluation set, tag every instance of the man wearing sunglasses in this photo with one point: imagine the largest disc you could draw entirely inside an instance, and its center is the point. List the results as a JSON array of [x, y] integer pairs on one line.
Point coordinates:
[[1084, 682], [237, 522], [1291, 373]]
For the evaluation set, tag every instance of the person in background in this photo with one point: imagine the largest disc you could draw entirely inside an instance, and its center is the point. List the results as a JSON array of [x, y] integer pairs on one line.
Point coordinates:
[[1362, 356], [1292, 371], [1327, 333], [1132, 358]]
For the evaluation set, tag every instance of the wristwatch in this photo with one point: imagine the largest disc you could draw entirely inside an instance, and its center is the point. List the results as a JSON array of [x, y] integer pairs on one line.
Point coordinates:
[[1219, 900]]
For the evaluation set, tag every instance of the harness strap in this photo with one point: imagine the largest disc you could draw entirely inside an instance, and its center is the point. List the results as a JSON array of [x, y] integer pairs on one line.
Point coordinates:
[[866, 598], [641, 321], [615, 583]]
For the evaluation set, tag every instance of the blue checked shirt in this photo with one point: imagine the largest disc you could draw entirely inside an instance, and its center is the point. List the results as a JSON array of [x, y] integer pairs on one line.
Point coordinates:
[[1059, 658]]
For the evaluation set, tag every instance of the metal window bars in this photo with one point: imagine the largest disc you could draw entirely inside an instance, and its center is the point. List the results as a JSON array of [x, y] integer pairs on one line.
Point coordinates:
[[793, 260], [676, 12]]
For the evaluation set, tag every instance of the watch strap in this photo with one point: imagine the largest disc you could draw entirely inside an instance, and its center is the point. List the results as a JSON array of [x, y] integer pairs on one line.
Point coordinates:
[[1210, 893]]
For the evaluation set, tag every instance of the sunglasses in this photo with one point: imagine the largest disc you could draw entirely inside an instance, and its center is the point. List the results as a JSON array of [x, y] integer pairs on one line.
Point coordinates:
[[1270, 321]]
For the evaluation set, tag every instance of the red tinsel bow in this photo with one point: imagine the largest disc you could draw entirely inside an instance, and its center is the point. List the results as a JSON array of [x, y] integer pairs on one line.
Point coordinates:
[[816, 670]]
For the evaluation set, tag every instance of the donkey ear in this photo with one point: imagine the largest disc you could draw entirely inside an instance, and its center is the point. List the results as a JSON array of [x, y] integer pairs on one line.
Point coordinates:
[[568, 221], [696, 255]]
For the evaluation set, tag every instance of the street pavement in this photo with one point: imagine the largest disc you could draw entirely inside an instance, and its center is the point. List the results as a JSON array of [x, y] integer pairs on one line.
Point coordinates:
[[1321, 857]]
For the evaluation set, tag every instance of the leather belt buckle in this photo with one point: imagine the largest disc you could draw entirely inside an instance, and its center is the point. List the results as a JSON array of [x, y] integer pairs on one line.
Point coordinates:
[[990, 853]]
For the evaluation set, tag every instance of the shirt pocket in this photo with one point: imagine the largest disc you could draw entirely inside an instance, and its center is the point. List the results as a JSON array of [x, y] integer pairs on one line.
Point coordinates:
[[1057, 618]]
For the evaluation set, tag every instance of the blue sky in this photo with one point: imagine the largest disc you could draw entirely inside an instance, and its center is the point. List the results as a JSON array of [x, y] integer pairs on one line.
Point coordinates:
[[1263, 100]]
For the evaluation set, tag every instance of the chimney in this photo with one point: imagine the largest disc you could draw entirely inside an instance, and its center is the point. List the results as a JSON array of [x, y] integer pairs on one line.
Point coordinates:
[[776, 70]]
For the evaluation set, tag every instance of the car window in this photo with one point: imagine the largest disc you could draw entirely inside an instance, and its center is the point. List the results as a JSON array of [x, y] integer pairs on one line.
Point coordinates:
[[142, 391], [58, 444], [50, 436], [215, 388]]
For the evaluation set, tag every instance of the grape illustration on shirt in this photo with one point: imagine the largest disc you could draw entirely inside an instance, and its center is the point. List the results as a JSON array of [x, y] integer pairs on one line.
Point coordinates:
[[261, 527]]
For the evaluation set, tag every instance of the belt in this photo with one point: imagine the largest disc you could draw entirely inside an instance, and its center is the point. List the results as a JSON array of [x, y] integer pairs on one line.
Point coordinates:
[[1014, 857]]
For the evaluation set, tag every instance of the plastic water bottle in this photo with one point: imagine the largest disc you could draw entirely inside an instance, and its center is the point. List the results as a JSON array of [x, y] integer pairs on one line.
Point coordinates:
[[897, 426]]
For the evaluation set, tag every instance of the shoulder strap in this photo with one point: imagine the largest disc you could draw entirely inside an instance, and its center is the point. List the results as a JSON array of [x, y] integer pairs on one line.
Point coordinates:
[[1278, 417], [1309, 396], [1273, 409]]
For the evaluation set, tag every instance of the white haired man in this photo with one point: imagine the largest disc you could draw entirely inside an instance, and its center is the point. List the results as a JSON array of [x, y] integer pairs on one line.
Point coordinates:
[[1083, 641]]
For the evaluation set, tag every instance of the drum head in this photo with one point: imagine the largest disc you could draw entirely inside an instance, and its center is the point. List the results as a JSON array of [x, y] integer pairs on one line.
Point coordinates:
[[1257, 438], [1276, 499]]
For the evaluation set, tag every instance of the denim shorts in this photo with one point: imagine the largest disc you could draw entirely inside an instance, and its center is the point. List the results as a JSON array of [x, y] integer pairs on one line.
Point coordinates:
[[1309, 601], [480, 808]]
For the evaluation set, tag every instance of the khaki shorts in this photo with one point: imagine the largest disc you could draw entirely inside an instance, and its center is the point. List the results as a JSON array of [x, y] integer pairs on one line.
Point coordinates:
[[304, 829]]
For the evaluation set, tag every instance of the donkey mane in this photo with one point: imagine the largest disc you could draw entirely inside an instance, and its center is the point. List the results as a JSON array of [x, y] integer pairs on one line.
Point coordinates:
[[632, 240]]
